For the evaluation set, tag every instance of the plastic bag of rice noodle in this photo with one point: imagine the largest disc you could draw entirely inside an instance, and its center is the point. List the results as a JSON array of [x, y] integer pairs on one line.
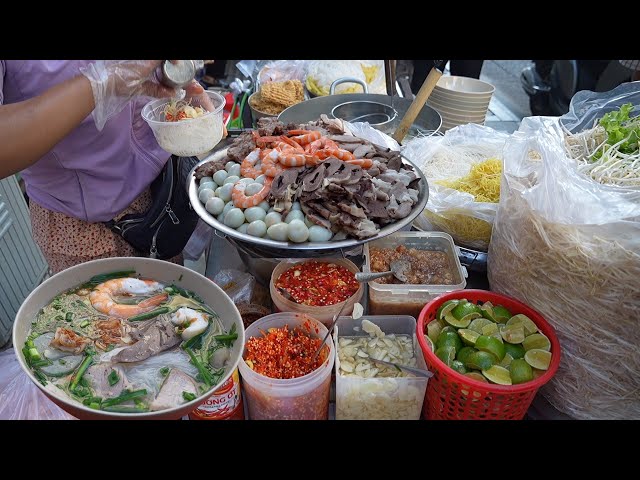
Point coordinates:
[[449, 157], [569, 247]]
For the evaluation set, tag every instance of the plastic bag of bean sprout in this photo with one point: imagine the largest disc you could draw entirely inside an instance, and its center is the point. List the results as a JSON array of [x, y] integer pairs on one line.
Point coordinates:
[[569, 246], [20, 399]]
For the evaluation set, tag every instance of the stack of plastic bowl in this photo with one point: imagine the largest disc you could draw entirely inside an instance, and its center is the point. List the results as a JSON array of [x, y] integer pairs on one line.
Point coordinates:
[[461, 100]]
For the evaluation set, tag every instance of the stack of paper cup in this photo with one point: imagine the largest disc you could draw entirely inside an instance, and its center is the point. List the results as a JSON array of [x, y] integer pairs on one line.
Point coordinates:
[[461, 100]]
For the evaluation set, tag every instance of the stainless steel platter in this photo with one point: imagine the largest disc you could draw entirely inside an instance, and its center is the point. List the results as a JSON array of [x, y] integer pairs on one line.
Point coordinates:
[[266, 248]]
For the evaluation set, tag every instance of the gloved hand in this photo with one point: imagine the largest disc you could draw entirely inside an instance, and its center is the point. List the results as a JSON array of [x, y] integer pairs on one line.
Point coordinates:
[[116, 82]]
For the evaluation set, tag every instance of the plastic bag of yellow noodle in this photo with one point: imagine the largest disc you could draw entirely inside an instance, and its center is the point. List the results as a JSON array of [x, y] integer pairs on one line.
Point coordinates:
[[448, 159], [569, 247], [322, 73]]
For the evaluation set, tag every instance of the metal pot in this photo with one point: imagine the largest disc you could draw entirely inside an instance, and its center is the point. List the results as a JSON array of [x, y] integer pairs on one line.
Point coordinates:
[[428, 120]]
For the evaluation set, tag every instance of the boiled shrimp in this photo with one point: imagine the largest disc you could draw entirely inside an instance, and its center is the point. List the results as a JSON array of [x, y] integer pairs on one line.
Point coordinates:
[[361, 162], [320, 144], [102, 296], [240, 200], [304, 137], [67, 340], [193, 320], [287, 142], [248, 166], [270, 164], [335, 152]]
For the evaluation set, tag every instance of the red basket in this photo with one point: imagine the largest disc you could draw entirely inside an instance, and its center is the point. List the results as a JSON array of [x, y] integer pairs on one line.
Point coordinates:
[[453, 396]]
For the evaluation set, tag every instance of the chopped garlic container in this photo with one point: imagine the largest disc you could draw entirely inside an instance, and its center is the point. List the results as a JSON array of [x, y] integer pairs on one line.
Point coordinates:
[[366, 390]]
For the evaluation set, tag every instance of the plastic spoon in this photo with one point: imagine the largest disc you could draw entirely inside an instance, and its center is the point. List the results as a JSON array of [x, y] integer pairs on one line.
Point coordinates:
[[399, 269], [416, 371]]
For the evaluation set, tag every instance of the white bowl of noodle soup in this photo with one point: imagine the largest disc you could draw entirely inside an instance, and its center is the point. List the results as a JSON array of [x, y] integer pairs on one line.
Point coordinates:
[[161, 271]]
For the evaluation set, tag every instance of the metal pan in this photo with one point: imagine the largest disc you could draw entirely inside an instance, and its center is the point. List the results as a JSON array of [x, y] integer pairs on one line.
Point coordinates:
[[266, 248], [428, 120]]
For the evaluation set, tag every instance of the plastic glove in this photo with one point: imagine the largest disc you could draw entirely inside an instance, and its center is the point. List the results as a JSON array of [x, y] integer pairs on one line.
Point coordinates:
[[195, 93], [116, 82]]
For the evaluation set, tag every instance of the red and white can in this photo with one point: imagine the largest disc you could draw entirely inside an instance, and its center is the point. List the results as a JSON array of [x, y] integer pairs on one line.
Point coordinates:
[[224, 404]]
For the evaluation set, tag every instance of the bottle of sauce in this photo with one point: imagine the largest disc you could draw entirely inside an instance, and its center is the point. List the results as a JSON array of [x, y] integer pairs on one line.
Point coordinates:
[[224, 404]]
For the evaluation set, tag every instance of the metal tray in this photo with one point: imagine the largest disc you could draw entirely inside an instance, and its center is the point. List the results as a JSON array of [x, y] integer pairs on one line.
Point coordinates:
[[266, 248]]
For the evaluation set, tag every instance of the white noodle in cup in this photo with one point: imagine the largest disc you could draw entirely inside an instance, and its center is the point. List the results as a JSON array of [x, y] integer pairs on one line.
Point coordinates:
[[189, 137]]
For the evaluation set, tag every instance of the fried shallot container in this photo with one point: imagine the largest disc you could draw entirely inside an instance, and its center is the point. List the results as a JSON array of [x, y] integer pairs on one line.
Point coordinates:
[[301, 398], [362, 393], [409, 299]]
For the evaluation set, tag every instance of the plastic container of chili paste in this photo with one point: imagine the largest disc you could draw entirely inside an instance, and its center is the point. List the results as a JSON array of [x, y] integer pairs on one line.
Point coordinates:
[[224, 404], [302, 398], [323, 313]]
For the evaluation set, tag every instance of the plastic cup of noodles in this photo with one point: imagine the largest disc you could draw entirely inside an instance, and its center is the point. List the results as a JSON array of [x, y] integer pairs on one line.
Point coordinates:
[[189, 137], [302, 398]]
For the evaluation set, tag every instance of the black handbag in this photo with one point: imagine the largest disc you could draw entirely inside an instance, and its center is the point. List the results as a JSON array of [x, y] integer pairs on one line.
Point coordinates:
[[164, 230]]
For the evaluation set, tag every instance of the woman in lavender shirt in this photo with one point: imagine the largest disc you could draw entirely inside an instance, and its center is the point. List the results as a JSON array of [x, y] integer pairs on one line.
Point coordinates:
[[74, 129]]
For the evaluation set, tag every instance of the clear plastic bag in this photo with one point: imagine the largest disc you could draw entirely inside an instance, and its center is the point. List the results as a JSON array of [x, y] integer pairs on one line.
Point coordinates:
[[450, 210], [20, 399], [570, 247], [282, 70]]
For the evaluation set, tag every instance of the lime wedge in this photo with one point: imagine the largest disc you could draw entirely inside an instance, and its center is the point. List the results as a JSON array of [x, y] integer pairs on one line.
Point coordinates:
[[487, 311], [448, 328], [429, 343], [458, 366], [434, 327], [516, 351], [478, 324], [490, 330], [464, 353], [446, 307], [526, 322], [501, 314], [457, 322], [480, 360], [446, 354], [476, 376], [497, 374], [540, 359], [492, 345], [464, 309], [469, 337], [449, 339], [520, 371], [536, 341], [506, 361], [512, 333]]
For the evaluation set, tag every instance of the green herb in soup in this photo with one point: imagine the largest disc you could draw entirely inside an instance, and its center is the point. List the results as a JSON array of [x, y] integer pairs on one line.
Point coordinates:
[[125, 344]]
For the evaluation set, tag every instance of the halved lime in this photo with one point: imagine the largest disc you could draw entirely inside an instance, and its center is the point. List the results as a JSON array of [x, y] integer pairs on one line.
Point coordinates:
[[490, 330], [457, 322], [491, 345], [487, 311], [506, 361], [501, 314], [446, 307], [516, 351], [526, 322], [449, 339], [480, 360], [429, 343], [512, 333], [458, 366], [498, 374], [469, 337], [446, 354], [448, 328], [540, 359], [520, 371], [463, 310], [536, 341], [476, 376], [464, 353], [478, 323], [434, 327]]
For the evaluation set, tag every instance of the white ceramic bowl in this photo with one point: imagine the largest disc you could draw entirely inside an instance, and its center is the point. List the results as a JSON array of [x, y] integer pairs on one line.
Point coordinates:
[[162, 271], [467, 102], [449, 117], [465, 85], [189, 137], [439, 106]]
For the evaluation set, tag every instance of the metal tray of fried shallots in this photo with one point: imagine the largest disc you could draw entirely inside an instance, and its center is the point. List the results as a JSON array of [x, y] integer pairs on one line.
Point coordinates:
[[266, 248]]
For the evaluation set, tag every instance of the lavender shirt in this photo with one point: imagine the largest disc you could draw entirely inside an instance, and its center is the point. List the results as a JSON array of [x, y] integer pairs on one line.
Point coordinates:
[[89, 175]]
